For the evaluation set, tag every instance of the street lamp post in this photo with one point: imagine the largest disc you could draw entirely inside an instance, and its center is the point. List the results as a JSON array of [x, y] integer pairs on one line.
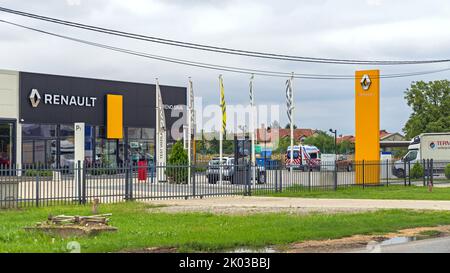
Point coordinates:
[[335, 142]]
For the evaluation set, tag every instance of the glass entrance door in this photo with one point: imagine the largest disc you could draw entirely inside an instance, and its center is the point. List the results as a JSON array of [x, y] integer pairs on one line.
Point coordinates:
[[6, 143]]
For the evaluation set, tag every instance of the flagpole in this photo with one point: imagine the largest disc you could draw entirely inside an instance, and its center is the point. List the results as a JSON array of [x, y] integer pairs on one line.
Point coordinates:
[[252, 128], [189, 116], [292, 121], [221, 129]]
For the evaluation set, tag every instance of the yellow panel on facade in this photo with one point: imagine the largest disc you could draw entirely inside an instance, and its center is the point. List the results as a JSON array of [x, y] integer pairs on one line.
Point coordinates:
[[367, 126], [114, 116]]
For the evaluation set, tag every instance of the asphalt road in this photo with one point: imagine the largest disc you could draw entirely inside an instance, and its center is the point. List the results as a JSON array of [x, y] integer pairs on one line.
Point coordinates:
[[436, 245]]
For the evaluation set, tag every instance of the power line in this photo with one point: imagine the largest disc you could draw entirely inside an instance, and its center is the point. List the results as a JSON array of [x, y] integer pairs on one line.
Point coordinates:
[[220, 67], [216, 49]]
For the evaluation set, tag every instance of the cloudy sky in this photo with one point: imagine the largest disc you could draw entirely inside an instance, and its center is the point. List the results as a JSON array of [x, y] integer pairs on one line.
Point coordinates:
[[353, 29]]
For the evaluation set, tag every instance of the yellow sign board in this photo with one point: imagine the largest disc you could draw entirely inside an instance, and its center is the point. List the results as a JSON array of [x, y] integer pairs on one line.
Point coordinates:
[[367, 126], [114, 116]]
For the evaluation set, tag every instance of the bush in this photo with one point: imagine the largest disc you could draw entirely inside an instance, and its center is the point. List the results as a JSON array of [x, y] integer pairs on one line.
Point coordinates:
[[447, 171], [102, 171], [177, 165], [41, 173], [417, 171]]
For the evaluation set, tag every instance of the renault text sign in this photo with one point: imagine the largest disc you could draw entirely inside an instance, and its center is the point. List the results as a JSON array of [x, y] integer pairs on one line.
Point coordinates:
[[59, 99]]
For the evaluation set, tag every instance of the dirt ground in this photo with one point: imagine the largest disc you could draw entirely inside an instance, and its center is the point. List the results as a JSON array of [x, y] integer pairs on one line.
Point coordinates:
[[363, 241], [245, 205]]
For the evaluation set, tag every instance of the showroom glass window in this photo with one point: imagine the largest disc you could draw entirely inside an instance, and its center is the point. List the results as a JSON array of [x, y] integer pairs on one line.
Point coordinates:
[[106, 150], [39, 144], [67, 145], [141, 144]]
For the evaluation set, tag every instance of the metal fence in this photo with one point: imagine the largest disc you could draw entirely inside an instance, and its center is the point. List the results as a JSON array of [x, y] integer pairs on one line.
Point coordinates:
[[40, 185]]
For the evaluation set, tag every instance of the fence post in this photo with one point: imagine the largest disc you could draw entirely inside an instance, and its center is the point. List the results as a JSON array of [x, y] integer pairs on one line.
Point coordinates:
[[387, 172], [37, 189], [83, 180], [276, 176], [127, 179], [431, 172], [404, 172], [249, 179], [335, 175], [309, 179], [193, 172], [130, 181], [281, 178], [424, 172], [80, 199], [409, 173], [363, 173]]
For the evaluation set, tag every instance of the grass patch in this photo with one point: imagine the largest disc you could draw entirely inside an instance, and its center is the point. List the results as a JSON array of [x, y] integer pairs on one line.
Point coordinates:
[[430, 233], [373, 192], [140, 228]]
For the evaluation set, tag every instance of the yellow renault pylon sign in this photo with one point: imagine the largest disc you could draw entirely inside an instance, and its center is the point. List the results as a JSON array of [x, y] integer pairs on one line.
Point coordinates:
[[114, 116], [367, 126]]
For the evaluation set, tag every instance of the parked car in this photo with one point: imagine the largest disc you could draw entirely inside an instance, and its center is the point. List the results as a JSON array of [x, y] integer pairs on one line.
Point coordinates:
[[230, 171], [344, 164]]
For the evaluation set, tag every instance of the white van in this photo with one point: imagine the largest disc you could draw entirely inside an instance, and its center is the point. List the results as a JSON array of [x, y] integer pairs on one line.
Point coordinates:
[[304, 157]]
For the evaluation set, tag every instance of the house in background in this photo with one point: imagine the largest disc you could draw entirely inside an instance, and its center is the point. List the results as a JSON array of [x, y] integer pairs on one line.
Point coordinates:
[[385, 138], [268, 137]]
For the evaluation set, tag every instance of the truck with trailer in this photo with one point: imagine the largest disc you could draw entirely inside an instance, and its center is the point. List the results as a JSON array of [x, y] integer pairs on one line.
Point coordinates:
[[427, 146]]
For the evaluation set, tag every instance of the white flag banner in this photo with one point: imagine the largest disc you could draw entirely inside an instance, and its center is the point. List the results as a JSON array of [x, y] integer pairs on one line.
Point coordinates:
[[191, 120], [289, 101], [161, 136], [252, 128]]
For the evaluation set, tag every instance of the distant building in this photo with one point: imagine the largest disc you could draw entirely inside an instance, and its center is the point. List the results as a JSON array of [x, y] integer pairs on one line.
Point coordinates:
[[269, 136], [384, 136]]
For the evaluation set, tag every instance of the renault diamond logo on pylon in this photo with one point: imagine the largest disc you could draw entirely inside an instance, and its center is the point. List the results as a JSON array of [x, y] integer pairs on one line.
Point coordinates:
[[35, 98], [365, 82]]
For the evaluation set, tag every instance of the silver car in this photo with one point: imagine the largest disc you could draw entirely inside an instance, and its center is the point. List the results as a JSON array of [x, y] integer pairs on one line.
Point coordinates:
[[230, 171]]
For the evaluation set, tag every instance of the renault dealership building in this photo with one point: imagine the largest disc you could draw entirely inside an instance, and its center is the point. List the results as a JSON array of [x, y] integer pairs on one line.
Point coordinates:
[[38, 113]]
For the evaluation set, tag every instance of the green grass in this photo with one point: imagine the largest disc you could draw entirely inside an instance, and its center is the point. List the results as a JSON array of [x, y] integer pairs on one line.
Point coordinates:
[[140, 228], [430, 233], [380, 192]]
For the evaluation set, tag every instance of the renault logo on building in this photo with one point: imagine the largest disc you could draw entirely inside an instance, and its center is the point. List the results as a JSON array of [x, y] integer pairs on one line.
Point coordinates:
[[35, 98], [365, 82], [60, 99]]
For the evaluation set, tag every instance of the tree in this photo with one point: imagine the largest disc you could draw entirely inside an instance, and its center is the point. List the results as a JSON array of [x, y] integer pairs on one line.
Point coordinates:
[[288, 126], [178, 160], [430, 103], [346, 147], [201, 144], [282, 145], [275, 125], [213, 147], [228, 146], [321, 140]]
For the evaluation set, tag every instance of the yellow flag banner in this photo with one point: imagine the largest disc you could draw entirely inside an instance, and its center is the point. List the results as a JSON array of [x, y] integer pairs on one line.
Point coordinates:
[[222, 104]]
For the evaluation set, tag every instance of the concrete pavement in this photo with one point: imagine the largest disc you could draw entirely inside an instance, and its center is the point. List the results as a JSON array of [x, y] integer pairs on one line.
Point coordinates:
[[435, 245], [311, 203]]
